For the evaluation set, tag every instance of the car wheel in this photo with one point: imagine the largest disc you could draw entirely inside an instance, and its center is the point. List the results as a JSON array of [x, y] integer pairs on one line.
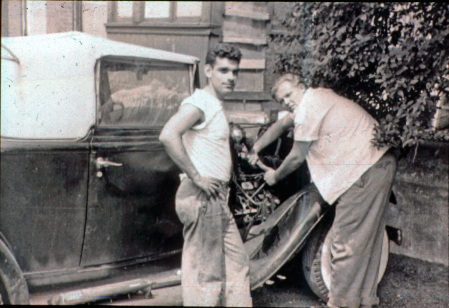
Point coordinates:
[[13, 287], [316, 260]]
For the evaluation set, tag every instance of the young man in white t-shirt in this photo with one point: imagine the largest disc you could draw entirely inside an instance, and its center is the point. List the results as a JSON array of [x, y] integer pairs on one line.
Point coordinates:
[[215, 265], [334, 135]]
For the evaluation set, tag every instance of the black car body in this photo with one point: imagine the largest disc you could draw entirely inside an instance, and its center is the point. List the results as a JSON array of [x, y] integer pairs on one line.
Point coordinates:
[[85, 182]]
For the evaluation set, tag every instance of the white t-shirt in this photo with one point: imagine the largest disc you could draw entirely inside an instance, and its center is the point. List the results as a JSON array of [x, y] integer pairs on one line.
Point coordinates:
[[340, 132], [207, 143]]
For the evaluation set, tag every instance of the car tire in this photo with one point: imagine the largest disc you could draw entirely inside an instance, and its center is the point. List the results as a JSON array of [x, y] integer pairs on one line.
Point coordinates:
[[316, 260], [13, 286]]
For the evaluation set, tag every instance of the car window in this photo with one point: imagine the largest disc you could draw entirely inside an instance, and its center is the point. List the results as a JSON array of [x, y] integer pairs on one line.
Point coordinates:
[[141, 94]]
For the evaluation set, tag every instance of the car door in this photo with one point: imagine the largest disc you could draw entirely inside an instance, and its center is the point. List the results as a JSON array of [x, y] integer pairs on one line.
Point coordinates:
[[44, 167], [132, 181]]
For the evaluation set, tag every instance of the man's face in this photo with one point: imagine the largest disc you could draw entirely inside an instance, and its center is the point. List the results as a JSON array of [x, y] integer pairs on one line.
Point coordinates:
[[222, 76], [289, 95]]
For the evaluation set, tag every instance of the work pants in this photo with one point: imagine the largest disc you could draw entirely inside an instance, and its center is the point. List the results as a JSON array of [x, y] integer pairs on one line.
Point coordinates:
[[215, 265], [357, 236]]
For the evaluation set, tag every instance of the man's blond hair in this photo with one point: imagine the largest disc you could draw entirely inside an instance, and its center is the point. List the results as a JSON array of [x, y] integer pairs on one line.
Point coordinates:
[[289, 77]]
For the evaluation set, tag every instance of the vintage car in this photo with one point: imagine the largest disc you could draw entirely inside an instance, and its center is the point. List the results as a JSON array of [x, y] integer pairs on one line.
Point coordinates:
[[87, 190]]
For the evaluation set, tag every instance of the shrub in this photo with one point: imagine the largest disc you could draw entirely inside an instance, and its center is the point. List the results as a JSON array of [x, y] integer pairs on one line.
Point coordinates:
[[391, 58]]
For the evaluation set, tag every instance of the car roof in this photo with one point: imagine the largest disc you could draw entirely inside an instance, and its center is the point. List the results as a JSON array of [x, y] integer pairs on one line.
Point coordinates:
[[50, 74], [85, 46]]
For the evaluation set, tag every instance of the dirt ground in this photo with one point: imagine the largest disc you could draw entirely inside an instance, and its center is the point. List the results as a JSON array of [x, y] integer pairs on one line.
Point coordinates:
[[407, 282], [411, 282]]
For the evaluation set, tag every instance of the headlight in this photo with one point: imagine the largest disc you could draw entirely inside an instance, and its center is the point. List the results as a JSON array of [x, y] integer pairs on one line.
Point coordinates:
[[237, 133]]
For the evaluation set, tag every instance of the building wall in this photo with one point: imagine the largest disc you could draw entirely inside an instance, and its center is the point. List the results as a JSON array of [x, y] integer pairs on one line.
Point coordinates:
[[12, 18], [39, 17], [94, 17], [59, 16], [245, 24]]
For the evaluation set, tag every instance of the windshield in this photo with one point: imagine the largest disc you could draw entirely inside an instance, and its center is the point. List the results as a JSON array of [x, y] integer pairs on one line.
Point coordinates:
[[139, 93]]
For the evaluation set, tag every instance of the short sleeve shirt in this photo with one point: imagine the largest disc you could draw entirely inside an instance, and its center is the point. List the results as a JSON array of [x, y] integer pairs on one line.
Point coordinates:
[[340, 132], [207, 144]]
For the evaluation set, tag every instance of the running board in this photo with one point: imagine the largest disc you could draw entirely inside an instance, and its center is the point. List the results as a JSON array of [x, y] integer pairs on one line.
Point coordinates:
[[92, 294]]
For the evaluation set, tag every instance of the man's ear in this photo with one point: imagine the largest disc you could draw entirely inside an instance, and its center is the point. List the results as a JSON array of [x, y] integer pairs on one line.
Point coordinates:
[[208, 70]]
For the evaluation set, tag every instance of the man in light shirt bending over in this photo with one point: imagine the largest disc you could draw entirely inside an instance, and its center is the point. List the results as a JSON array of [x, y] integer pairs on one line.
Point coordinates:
[[334, 135]]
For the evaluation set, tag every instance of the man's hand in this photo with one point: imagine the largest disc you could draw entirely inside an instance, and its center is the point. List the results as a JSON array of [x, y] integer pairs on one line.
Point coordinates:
[[252, 158], [209, 185], [293, 160], [270, 177]]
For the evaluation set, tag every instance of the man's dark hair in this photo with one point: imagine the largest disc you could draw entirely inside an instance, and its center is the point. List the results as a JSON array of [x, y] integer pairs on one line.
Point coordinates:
[[223, 50]]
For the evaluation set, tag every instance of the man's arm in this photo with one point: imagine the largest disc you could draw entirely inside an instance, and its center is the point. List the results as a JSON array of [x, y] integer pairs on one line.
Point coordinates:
[[171, 137], [271, 134], [292, 162]]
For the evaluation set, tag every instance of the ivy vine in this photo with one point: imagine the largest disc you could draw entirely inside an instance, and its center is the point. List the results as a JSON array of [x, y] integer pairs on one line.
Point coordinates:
[[391, 58]]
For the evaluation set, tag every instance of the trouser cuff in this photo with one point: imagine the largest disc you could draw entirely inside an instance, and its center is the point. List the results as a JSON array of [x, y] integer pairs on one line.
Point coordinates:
[[370, 301], [350, 302], [353, 301]]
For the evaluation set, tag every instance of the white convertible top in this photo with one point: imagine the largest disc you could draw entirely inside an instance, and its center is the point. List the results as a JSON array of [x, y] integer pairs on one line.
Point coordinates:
[[48, 82]]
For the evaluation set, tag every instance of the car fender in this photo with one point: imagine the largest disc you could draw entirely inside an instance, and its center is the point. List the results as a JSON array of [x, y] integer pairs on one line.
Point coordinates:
[[277, 240], [12, 282]]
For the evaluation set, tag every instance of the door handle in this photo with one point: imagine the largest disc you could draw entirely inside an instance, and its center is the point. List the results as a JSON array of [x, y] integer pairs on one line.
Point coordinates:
[[100, 162]]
